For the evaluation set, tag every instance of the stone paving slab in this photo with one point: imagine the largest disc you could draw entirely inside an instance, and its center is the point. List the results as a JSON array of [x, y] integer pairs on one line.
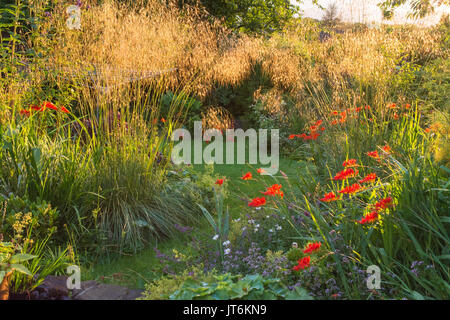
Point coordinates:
[[56, 287], [100, 291]]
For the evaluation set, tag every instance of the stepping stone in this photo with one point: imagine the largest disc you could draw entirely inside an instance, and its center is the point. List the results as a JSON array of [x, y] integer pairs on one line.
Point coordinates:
[[101, 291], [54, 286]]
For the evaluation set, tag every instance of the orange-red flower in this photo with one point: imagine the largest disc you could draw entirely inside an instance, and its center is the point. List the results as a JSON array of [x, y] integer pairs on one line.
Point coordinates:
[[328, 197], [63, 109], [24, 112], [435, 127], [349, 163], [49, 105], [163, 120], [257, 202], [219, 182], [383, 204], [292, 136], [371, 177], [274, 190], [407, 106], [302, 263], [247, 176], [351, 189], [36, 108], [387, 149], [260, 170], [312, 247], [345, 174], [314, 135], [373, 154], [369, 218]]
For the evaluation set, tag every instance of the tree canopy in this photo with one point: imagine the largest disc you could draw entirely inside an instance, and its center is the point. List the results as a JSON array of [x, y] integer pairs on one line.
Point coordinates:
[[250, 15], [420, 8]]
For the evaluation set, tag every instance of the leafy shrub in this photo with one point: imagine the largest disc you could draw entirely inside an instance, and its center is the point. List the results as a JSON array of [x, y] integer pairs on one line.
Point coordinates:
[[162, 288], [228, 287], [435, 85], [45, 219]]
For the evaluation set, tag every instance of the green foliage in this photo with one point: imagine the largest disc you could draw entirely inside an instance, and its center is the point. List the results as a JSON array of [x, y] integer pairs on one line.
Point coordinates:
[[162, 288], [228, 287], [413, 230], [9, 261], [294, 254], [222, 225], [193, 107], [434, 85], [44, 217], [48, 260], [420, 8], [258, 16]]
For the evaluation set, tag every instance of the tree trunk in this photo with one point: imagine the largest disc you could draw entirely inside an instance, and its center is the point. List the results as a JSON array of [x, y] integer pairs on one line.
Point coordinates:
[[4, 286]]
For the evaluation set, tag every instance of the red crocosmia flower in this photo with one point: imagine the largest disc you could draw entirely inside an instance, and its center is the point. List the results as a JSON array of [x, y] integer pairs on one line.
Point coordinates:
[[369, 218], [274, 190], [392, 106], [387, 149], [49, 105], [25, 112], [328, 197], [373, 154], [318, 123], [358, 109], [219, 182], [247, 176], [312, 247], [351, 189], [292, 136], [383, 204], [36, 108], [407, 106], [322, 129], [260, 171], [369, 178], [163, 120], [334, 122], [314, 135], [349, 163], [313, 128], [345, 174], [367, 107], [302, 263], [257, 202], [63, 109], [335, 113], [396, 116]]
